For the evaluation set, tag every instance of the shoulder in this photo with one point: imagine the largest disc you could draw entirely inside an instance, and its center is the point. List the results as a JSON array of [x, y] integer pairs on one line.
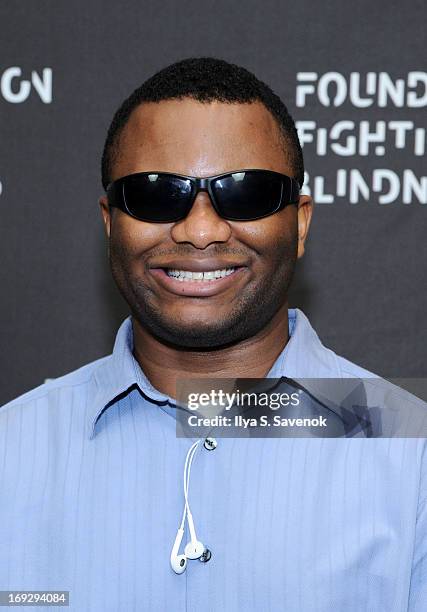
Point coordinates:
[[315, 358], [392, 396], [70, 382], [392, 404], [378, 387], [349, 369]]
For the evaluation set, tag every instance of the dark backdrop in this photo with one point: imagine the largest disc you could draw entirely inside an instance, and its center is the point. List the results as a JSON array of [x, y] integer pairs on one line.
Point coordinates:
[[363, 279]]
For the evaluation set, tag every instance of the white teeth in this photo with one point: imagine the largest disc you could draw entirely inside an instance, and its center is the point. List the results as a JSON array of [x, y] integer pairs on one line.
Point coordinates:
[[210, 275]]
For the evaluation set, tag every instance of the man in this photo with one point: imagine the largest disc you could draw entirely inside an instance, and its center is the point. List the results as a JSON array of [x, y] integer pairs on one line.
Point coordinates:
[[92, 471]]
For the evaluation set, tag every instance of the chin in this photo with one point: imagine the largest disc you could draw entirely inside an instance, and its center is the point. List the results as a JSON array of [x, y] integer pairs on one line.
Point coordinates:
[[197, 336], [191, 333]]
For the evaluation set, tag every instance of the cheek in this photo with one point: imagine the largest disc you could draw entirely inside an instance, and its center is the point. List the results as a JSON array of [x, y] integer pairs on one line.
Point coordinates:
[[273, 238], [132, 237]]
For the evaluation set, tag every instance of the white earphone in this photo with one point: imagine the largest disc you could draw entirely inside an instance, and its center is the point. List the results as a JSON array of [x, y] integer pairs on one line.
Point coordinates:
[[178, 562], [194, 548]]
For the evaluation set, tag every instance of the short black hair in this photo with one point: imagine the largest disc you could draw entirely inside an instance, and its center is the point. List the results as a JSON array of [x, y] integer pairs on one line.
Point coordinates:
[[205, 79]]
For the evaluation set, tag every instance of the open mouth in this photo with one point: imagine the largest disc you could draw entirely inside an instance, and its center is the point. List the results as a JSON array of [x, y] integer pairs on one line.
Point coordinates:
[[186, 276], [197, 284]]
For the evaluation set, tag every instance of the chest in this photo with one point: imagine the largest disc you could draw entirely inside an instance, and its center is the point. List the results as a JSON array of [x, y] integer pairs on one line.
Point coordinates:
[[292, 523]]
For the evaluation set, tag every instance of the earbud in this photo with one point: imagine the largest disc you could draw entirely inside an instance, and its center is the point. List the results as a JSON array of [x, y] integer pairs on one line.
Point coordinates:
[[194, 549], [178, 562]]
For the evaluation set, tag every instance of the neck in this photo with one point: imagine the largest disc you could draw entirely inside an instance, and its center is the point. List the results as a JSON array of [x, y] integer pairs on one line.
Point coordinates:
[[251, 358]]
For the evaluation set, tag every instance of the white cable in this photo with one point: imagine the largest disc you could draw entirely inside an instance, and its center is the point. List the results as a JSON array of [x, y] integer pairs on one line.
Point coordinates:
[[194, 549], [191, 458], [187, 466]]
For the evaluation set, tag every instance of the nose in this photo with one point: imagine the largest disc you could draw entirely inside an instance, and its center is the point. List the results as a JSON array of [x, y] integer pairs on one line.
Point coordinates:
[[202, 225]]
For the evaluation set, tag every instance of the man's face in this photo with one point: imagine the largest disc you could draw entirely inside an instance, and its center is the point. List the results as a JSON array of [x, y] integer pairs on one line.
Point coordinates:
[[195, 139]]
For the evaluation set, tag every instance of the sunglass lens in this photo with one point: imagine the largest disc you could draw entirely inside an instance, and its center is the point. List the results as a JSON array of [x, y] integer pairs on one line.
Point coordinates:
[[247, 195], [157, 198]]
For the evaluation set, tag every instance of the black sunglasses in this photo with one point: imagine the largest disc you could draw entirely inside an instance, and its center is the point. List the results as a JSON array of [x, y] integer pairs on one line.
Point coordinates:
[[163, 197]]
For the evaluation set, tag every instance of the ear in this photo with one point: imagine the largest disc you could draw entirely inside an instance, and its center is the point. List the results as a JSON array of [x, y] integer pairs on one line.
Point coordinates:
[[106, 215], [305, 212]]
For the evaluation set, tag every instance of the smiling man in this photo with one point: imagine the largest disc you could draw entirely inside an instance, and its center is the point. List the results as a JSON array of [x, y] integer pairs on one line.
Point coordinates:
[[202, 171], [214, 286]]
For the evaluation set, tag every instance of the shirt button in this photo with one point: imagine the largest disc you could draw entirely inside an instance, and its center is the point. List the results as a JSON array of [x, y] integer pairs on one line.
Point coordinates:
[[210, 444], [206, 556]]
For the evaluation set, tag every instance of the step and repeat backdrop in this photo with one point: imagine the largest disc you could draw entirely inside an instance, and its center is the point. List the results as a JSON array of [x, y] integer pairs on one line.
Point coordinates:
[[353, 77]]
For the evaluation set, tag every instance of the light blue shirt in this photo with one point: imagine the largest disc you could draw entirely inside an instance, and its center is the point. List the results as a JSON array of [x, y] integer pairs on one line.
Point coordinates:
[[91, 499]]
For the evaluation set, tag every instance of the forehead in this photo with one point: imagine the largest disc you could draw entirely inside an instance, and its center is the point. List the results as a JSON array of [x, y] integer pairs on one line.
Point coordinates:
[[190, 137]]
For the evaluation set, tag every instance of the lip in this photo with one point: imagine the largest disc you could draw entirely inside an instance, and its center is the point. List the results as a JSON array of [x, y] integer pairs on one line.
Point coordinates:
[[201, 265], [196, 288]]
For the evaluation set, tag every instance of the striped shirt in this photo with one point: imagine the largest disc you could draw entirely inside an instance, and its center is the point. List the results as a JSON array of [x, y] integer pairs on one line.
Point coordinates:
[[91, 492]]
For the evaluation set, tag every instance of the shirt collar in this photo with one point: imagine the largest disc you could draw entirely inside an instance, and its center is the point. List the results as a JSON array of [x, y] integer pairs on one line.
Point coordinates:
[[304, 356], [118, 374]]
